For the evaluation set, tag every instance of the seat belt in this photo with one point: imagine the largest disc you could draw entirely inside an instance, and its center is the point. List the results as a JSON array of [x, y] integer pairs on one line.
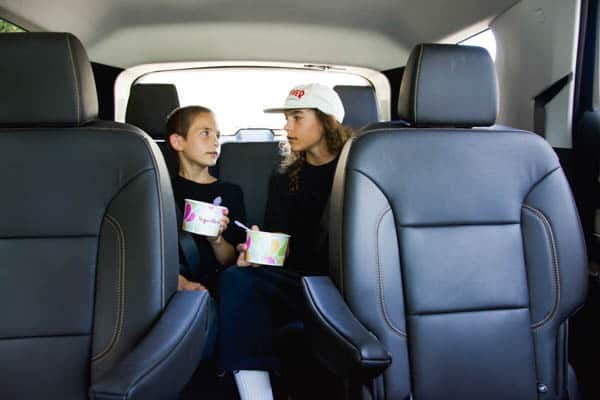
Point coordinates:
[[191, 257]]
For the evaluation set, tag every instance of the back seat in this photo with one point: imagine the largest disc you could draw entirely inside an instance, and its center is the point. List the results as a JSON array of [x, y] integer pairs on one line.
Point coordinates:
[[360, 105], [360, 101], [249, 158], [250, 165], [148, 107]]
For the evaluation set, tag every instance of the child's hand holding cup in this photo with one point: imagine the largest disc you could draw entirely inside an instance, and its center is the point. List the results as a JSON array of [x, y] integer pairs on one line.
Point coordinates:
[[223, 226]]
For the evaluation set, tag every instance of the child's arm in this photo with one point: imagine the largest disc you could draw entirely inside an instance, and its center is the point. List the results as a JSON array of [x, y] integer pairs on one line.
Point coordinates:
[[224, 251]]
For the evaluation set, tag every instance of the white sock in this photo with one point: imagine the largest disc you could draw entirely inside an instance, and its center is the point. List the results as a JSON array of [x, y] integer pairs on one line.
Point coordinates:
[[253, 385]]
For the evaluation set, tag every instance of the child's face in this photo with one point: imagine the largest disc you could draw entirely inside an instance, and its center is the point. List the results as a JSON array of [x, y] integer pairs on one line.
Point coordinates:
[[304, 130], [202, 146]]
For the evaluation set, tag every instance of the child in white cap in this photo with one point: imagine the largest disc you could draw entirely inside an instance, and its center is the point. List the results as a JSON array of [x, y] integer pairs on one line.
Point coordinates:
[[256, 301]]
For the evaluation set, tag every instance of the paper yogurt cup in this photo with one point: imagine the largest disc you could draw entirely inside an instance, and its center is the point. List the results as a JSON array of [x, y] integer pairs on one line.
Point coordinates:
[[202, 218], [266, 248]]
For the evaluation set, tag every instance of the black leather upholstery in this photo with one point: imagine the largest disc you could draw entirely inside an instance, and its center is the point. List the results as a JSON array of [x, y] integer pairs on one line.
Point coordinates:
[[460, 250], [48, 81], [448, 85], [386, 125], [360, 105], [149, 105], [343, 343], [165, 355], [88, 236], [249, 165]]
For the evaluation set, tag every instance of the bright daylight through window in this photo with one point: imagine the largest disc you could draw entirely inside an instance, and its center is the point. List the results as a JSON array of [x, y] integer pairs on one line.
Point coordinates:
[[238, 96]]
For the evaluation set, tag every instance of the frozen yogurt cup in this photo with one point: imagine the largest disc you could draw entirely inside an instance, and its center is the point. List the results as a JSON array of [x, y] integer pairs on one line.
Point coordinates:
[[266, 248], [202, 218]]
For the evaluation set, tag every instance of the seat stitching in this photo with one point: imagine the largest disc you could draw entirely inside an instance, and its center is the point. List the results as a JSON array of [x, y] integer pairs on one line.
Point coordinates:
[[380, 277], [161, 208], [555, 266], [120, 289], [160, 202], [546, 175], [189, 330], [74, 77]]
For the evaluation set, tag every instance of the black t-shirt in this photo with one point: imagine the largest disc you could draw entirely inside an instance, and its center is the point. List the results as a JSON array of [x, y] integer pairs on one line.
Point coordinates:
[[232, 198], [299, 214]]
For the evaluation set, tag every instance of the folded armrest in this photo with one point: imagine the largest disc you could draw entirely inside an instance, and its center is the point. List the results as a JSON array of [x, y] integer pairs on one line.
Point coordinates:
[[163, 362], [341, 342]]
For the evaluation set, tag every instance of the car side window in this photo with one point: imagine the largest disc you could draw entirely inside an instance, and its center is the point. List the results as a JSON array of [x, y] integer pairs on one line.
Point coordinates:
[[7, 27]]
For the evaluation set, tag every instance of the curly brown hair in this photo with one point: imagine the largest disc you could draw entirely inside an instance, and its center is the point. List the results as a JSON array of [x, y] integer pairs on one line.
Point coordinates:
[[292, 162]]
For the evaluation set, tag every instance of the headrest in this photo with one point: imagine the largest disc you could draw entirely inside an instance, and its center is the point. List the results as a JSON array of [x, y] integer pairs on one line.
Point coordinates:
[[360, 105], [149, 105], [46, 80], [450, 86]]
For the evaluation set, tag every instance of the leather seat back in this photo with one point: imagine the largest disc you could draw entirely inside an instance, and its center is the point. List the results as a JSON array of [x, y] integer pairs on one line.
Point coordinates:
[[460, 248], [360, 105], [250, 165], [88, 234], [148, 107]]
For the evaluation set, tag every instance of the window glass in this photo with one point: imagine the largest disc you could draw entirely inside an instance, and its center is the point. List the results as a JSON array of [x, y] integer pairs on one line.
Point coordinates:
[[238, 96], [7, 27]]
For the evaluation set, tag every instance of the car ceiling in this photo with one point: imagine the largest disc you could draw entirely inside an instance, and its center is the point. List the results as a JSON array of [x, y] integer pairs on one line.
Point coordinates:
[[375, 33]]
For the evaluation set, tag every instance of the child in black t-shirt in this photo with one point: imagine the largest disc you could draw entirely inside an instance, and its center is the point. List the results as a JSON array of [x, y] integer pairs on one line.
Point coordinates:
[[192, 133], [266, 300]]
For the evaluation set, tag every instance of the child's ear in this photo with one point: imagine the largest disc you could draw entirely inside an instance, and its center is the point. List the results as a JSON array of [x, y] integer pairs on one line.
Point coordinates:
[[176, 141]]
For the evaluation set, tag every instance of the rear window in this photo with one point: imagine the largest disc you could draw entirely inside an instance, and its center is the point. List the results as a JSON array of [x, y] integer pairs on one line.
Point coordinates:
[[7, 27], [238, 95]]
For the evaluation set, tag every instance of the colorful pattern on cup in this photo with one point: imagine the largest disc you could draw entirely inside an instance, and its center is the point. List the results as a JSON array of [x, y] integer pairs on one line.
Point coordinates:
[[266, 248], [202, 218], [189, 215]]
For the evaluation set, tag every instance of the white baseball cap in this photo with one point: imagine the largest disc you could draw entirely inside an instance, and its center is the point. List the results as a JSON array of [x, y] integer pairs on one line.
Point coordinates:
[[313, 95]]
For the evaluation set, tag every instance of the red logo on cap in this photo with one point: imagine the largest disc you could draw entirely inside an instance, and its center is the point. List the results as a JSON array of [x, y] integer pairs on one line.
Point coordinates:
[[297, 92]]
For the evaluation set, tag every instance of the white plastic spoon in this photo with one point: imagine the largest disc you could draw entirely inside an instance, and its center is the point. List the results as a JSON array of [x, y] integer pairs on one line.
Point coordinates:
[[238, 223]]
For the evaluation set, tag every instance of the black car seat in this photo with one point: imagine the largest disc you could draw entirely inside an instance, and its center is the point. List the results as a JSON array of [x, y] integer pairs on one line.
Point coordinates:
[[88, 244], [250, 165], [360, 105], [457, 252], [148, 107]]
